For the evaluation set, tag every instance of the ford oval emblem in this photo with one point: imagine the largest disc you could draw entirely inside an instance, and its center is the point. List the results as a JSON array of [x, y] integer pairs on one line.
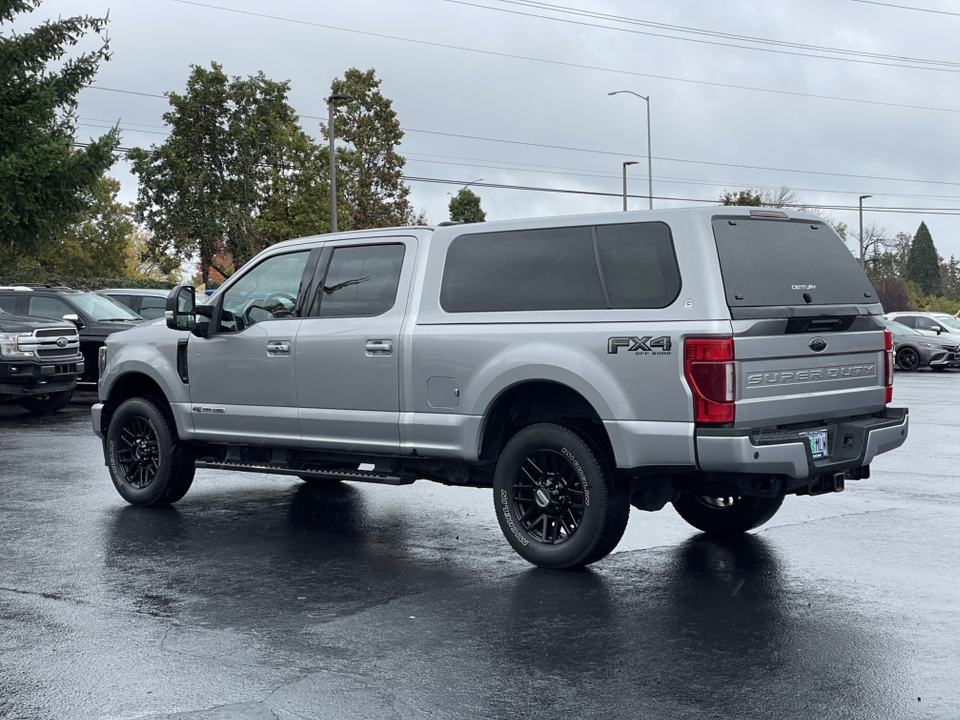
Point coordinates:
[[818, 344], [62, 342]]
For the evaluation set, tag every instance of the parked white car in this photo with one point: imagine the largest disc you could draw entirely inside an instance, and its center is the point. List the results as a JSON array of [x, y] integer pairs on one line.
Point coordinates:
[[929, 323]]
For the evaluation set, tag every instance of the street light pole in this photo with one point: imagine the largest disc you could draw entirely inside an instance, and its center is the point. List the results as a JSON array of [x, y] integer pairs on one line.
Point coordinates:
[[862, 198], [649, 154], [331, 111], [628, 162]]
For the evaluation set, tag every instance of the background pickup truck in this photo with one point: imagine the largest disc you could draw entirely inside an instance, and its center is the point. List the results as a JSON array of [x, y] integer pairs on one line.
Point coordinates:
[[40, 362], [718, 359]]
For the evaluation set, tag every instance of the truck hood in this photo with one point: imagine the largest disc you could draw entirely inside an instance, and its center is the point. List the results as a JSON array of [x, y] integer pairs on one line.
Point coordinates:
[[26, 323]]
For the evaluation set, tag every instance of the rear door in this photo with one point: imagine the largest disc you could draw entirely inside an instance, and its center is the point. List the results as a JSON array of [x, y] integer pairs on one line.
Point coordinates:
[[808, 335], [348, 348]]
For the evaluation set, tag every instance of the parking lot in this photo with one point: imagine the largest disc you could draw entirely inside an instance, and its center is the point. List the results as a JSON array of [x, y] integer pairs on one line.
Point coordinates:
[[259, 597]]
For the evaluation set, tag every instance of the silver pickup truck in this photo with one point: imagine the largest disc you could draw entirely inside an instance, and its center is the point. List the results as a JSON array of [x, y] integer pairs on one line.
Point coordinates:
[[716, 358]]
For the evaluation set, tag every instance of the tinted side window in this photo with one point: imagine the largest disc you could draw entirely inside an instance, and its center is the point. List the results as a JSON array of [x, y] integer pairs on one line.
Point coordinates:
[[908, 320], [639, 265], [48, 307], [925, 323], [9, 303], [361, 280], [551, 269], [123, 299]]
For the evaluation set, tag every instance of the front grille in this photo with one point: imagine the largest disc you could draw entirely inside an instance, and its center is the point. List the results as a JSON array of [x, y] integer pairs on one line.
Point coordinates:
[[55, 332], [51, 342]]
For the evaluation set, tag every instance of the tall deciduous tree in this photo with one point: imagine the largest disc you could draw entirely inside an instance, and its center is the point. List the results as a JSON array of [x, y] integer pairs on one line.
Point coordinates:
[[923, 263], [465, 207], [236, 175], [371, 191], [45, 183]]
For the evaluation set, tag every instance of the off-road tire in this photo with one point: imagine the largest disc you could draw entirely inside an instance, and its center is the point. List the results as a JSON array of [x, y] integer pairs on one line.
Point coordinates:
[[728, 516], [559, 503], [47, 403], [148, 463]]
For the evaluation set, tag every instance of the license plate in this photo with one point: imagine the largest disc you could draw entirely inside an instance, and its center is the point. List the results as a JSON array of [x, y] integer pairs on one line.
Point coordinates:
[[818, 443]]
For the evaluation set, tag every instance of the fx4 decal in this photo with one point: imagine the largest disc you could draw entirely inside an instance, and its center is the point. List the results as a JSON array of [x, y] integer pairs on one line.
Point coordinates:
[[641, 346]]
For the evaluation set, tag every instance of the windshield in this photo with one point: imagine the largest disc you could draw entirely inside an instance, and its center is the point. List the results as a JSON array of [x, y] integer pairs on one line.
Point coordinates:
[[101, 307], [949, 321]]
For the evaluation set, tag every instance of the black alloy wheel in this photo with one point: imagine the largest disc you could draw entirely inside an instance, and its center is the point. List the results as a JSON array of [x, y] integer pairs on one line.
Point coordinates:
[[558, 502], [908, 359], [138, 454], [549, 497], [147, 461]]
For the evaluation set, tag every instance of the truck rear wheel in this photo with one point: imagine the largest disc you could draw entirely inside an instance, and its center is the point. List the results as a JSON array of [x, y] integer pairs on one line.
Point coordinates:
[[47, 403], [726, 515], [148, 464], [557, 500]]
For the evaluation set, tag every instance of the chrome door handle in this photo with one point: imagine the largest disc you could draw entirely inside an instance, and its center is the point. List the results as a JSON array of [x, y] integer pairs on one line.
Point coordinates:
[[379, 347], [277, 348]]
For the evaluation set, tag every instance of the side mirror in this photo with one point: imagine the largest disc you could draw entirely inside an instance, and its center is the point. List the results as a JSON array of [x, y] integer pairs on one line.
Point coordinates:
[[181, 311], [75, 319]]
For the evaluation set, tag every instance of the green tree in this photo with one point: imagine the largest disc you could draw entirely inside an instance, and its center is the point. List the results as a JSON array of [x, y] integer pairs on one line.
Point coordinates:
[[745, 198], [236, 175], [923, 263], [465, 207], [45, 183], [371, 191]]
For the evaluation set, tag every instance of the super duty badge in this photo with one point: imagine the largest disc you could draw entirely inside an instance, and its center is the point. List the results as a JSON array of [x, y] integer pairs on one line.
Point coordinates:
[[647, 345]]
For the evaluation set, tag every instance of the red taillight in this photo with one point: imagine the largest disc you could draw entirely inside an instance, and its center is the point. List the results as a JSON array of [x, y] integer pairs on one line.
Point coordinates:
[[888, 364], [709, 368]]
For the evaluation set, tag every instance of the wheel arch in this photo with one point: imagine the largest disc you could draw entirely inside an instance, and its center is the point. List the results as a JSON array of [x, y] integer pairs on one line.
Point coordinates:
[[529, 402], [133, 384]]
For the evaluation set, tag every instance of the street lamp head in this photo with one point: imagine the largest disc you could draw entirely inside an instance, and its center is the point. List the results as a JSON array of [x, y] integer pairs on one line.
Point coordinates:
[[864, 197], [339, 97], [631, 162]]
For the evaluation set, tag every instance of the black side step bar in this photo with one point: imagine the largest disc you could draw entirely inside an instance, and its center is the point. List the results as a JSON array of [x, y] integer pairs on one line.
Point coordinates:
[[384, 478]]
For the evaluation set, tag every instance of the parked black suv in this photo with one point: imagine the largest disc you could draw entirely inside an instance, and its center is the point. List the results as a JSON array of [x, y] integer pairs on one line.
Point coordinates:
[[94, 315], [40, 362]]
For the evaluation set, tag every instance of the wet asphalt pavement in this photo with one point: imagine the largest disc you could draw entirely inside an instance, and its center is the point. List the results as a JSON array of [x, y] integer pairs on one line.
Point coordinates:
[[259, 597]]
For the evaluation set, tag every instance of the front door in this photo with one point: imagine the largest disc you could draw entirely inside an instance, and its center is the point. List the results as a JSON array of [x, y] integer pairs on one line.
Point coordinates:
[[348, 349], [242, 375]]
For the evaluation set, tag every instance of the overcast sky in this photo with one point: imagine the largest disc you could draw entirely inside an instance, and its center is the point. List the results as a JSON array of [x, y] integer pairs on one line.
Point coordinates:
[[832, 98]]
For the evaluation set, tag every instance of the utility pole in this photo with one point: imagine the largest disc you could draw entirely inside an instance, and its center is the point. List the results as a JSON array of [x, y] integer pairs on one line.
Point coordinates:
[[862, 248], [331, 112]]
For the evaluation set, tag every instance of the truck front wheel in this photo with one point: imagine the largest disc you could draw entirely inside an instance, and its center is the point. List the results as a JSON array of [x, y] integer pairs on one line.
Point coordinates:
[[148, 464], [726, 515], [47, 403], [558, 501]]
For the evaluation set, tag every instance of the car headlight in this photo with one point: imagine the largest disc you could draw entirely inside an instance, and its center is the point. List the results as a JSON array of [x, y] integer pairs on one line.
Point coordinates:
[[9, 347], [929, 345]]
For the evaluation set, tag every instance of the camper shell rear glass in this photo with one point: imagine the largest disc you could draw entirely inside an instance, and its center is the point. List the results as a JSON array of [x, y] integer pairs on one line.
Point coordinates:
[[791, 262]]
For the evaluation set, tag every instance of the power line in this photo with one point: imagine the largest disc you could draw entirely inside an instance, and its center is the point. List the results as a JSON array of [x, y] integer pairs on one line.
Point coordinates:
[[595, 151], [599, 193], [560, 63], [540, 5], [918, 63], [908, 7]]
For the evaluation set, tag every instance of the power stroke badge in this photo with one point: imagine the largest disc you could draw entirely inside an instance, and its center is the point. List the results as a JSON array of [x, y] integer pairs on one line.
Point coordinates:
[[647, 345]]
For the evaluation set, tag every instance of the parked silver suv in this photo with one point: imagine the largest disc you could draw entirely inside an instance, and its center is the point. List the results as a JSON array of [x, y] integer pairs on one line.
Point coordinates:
[[717, 359]]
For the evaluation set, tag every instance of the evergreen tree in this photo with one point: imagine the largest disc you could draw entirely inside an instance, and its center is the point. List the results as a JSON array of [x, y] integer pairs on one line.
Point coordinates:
[[45, 183], [371, 191], [923, 263], [465, 207]]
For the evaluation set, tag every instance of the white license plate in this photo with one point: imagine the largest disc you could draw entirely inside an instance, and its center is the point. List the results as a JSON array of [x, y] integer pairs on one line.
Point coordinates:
[[818, 443]]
